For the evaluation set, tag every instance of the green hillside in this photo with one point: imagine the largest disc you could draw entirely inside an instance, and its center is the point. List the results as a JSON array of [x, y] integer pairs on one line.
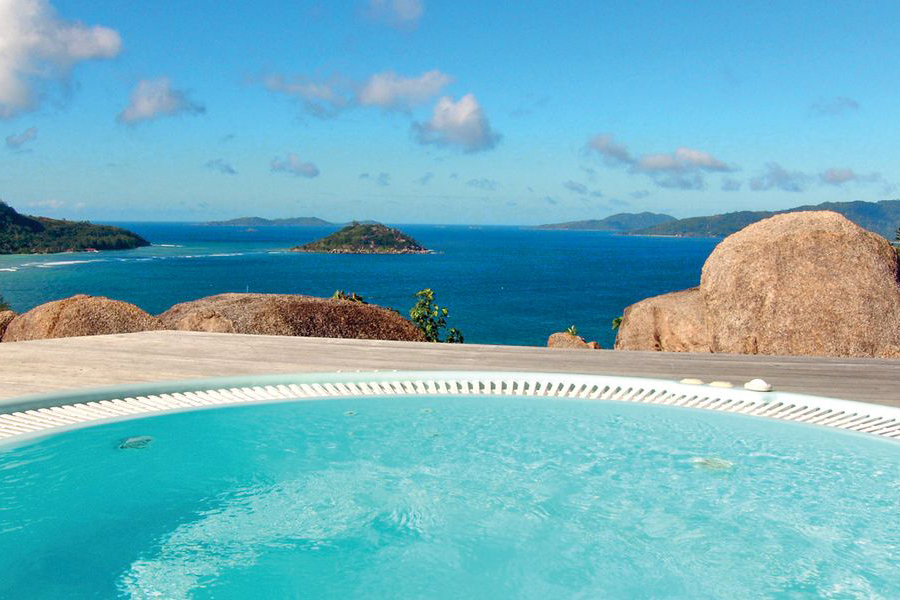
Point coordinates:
[[619, 223], [21, 234], [881, 217]]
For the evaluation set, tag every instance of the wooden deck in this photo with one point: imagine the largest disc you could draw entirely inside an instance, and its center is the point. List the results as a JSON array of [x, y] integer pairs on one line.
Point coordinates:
[[71, 363]]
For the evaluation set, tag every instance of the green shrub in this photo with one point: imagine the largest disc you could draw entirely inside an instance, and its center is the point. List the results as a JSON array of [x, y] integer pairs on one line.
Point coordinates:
[[352, 296], [616, 322], [572, 330], [431, 319]]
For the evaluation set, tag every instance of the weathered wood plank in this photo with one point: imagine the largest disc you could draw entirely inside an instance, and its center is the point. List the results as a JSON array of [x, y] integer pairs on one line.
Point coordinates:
[[52, 365]]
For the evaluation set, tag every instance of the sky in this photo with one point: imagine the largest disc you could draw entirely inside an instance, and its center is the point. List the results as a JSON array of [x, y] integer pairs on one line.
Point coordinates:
[[419, 111]]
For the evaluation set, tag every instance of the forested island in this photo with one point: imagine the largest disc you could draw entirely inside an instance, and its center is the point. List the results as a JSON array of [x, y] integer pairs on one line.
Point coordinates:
[[618, 223], [363, 238], [262, 222], [881, 217], [22, 234]]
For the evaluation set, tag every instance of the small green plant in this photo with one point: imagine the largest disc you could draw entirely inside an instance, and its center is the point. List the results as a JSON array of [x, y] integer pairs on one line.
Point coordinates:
[[3, 304], [431, 319], [616, 322], [572, 330], [352, 296], [897, 235]]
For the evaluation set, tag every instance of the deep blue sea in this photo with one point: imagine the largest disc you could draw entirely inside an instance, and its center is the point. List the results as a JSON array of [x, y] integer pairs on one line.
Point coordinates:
[[502, 285]]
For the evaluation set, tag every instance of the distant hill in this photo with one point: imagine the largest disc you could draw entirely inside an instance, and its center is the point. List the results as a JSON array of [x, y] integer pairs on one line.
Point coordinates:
[[261, 222], [361, 238], [881, 217], [21, 234], [620, 223]]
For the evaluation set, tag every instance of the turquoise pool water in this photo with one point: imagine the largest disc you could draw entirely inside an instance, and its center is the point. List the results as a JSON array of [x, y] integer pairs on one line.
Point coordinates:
[[451, 497]]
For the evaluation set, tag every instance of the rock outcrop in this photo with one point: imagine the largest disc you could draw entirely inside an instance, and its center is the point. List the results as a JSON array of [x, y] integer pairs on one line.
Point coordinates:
[[278, 314], [673, 322], [6, 318], [564, 339], [806, 283], [77, 316]]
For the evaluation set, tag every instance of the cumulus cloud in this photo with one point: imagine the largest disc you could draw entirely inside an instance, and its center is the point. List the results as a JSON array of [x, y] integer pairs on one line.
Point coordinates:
[[16, 141], [776, 177], [834, 106], [154, 98], [328, 97], [394, 92], [681, 169], [402, 14], [321, 98], [613, 153], [574, 186], [294, 165], [838, 176], [680, 161], [460, 124], [483, 183], [222, 166], [37, 46]]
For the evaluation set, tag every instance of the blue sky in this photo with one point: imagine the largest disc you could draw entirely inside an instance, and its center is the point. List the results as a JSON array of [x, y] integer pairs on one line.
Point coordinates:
[[439, 112]]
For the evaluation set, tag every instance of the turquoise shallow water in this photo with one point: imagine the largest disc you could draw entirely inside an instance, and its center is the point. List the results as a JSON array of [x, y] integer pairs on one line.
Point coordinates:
[[503, 285], [451, 498]]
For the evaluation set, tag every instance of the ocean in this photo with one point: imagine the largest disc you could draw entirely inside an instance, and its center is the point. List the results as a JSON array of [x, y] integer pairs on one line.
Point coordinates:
[[502, 285]]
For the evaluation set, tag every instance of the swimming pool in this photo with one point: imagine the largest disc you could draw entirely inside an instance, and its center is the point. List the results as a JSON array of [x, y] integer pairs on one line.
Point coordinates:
[[445, 485]]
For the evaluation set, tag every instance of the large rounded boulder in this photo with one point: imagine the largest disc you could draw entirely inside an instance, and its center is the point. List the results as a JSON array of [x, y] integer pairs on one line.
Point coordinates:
[[803, 283], [293, 315], [77, 316]]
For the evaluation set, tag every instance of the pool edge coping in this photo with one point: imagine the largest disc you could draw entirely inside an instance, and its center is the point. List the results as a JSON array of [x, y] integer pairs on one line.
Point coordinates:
[[25, 417]]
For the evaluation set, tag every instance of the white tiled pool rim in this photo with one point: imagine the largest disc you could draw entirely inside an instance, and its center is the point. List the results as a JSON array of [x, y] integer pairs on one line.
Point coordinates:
[[28, 417]]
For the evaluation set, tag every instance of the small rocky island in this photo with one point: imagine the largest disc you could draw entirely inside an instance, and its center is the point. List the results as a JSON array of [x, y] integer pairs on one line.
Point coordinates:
[[359, 238], [21, 234]]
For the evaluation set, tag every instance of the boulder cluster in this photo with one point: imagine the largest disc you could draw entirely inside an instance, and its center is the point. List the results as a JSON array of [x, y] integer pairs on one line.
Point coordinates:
[[263, 314], [805, 283]]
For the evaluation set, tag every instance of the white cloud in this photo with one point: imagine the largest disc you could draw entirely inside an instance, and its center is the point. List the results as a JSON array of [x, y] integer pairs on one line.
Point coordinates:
[[682, 169], [51, 204], [323, 98], [683, 159], [153, 98], [16, 141], [402, 14], [840, 175], [36, 46], [612, 152], [328, 97], [294, 165], [779, 178], [395, 92], [461, 124]]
